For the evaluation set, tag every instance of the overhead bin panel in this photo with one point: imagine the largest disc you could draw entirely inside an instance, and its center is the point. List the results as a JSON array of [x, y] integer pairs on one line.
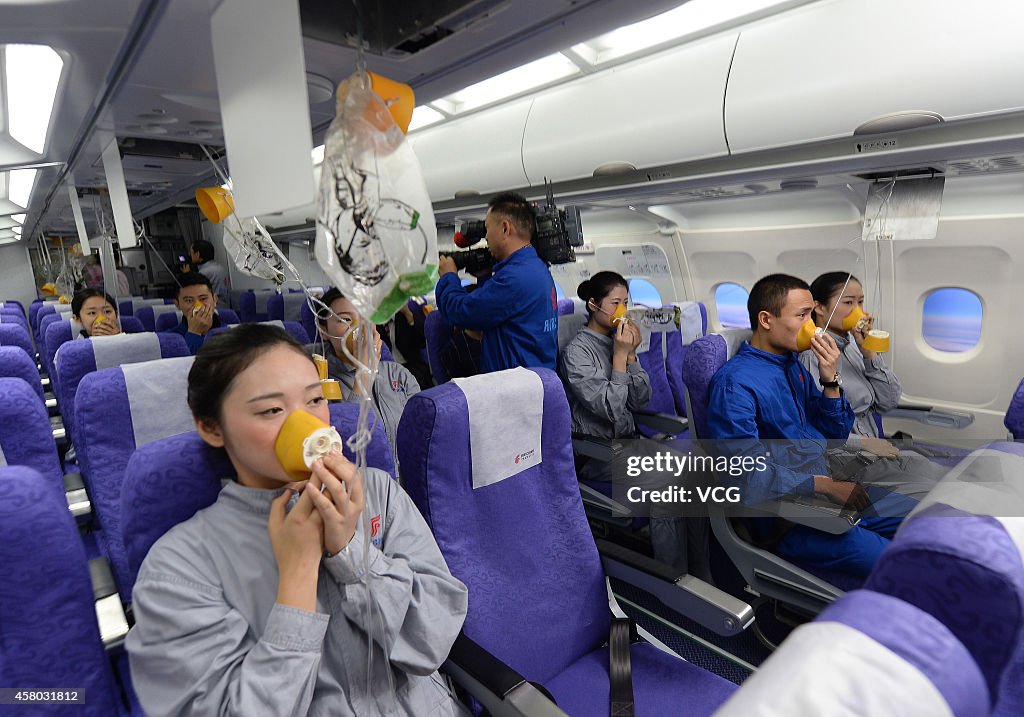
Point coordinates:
[[658, 110], [828, 68], [479, 153]]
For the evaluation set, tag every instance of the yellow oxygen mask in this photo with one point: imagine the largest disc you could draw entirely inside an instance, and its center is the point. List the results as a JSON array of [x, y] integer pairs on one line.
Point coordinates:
[[856, 319], [98, 320], [877, 341], [619, 315], [805, 334], [330, 386], [302, 440], [197, 306]]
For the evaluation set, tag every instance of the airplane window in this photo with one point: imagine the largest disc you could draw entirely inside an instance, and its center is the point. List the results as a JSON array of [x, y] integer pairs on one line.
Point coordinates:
[[559, 294], [643, 292], [951, 319], [731, 304], [467, 282]]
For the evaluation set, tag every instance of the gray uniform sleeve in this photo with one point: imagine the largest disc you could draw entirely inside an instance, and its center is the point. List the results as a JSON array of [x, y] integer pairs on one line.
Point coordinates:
[[639, 386], [884, 384], [416, 606], [607, 398], [810, 362], [192, 654]]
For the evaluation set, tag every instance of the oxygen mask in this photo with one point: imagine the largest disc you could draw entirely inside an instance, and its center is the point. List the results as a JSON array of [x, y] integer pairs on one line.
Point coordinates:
[[302, 440]]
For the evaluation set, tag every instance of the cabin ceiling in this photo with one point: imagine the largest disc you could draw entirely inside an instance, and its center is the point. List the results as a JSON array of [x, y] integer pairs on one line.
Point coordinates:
[[154, 59], [143, 69]]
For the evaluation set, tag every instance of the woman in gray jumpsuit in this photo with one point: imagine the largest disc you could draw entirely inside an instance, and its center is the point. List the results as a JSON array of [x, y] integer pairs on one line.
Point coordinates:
[[279, 598], [869, 385], [604, 382]]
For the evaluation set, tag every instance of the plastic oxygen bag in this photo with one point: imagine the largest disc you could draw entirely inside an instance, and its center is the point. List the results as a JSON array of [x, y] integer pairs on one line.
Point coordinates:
[[376, 237], [252, 250]]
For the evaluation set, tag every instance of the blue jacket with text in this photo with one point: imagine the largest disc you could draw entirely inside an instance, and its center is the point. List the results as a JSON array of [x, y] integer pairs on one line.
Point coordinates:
[[516, 309]]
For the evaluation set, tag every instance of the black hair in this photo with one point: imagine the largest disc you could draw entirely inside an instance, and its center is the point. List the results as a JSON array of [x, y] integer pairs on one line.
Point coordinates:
[[205, 250], [223, 357], [84, 294], [825, 286], [191, 278], [770, 294], [516, 210], [599, 286], [332, 295]]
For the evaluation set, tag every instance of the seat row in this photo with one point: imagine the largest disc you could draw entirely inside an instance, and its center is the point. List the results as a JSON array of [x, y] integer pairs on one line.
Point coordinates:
[[919, 638]]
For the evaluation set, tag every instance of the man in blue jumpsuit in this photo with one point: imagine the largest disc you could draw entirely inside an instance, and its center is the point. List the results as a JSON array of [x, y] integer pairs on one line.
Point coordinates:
[[516, 308], [764, 393]]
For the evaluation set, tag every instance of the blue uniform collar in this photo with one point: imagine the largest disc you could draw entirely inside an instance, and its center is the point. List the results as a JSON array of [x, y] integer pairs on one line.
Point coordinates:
[[777, 359], [527, 252]]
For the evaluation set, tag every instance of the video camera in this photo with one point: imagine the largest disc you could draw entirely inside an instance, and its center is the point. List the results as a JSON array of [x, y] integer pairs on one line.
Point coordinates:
[[556, 232]]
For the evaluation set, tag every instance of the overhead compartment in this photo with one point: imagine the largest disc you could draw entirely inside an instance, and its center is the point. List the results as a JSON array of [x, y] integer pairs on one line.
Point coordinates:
[[659, 110], [822, 71], [478, 153]]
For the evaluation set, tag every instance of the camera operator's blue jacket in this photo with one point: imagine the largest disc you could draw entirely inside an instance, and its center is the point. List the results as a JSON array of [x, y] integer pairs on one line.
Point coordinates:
[[516, 309]]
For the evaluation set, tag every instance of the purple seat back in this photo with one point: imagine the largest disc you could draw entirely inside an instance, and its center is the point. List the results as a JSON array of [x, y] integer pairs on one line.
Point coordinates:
[[292, 327], [522, 545], [1014, 420], [437, 332], [48, 630], [13, 316], [286, 307], [78, 359], [565, 306], [308, 320], [15, 363], [15, 335], [967, 572], [703, 359], [169, 480], [25, 434], [167, 321], [107, 419]]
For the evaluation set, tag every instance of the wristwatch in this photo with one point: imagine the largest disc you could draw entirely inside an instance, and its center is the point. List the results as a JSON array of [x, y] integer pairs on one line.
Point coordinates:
[[834, 383]]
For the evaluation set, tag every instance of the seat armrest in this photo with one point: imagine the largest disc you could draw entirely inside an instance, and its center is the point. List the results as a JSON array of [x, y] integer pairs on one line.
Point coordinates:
[[601, 449], [817, 513], [501, 690], [109, 613], [929, 415], [687, 595], [595, 499], [664, 422], [75, 494]]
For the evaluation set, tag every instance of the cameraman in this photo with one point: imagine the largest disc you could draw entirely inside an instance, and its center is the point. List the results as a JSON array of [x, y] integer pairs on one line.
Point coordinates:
[[516, 308]]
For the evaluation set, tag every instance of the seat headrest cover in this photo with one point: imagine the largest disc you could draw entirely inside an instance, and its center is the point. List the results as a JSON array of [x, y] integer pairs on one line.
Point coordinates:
[[734, 338], [505, 417], [841, 665], [157, 393], [568, 327], [120, 349]]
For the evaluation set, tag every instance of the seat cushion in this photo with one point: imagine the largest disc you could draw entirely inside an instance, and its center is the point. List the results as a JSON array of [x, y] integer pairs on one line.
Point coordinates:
[[663, 684]]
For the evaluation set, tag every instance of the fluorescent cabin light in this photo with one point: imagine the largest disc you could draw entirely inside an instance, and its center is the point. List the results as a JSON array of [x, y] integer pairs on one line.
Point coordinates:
[[32, 73], [19, 186], [20, 218], [521, 79], [689, 19], [424, 116]]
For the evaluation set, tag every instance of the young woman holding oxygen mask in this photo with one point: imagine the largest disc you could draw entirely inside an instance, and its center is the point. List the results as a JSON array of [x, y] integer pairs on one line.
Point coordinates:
[[267, 601], [868, 383], [604, 382], [96, 312]]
